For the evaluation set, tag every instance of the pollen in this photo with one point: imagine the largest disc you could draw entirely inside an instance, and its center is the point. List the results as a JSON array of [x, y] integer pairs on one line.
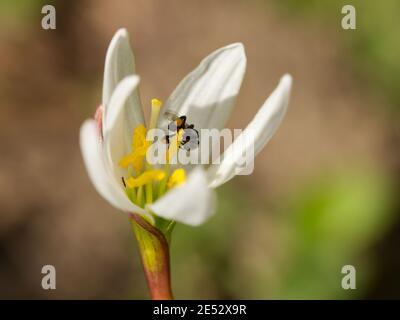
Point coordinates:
[[156, 103], [139, 137], [177, 178], [143, 182], [139, 149], [145, 178], [155, 112]]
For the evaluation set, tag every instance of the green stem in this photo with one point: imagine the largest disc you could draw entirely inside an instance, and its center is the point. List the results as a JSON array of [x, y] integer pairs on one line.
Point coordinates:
[[154, 251], [163, 182]]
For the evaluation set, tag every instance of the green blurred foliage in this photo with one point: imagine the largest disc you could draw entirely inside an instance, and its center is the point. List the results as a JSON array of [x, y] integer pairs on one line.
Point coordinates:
[[204, 252], [22, 9], [336, 219], [374, 44], [331, 221]]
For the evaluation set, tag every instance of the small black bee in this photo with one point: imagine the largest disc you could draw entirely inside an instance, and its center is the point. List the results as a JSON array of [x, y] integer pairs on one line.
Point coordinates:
[[190, 138]]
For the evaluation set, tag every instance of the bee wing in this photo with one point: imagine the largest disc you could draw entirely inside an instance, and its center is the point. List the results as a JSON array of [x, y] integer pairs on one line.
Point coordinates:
[[170, 115], [165, 120]]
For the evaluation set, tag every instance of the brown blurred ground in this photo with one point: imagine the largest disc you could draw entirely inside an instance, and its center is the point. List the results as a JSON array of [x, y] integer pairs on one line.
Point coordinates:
[[51, 81]]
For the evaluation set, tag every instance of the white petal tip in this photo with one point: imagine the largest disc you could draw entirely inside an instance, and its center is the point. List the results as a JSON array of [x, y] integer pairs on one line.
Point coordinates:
[[286, 81], [237, 46], [129, 83], [118, 100], [119, 37], [122, 33], [192, 203], [133, 79]]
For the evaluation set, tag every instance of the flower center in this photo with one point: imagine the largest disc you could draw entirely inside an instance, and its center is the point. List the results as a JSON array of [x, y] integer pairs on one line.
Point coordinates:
[[143, 183]]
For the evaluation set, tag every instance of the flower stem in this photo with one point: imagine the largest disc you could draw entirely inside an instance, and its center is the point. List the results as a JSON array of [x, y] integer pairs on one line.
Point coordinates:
[[154, 251]]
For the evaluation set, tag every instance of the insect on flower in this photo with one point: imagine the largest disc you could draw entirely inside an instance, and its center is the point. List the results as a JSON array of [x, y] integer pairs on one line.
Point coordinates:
[[190, 136], [114, 146]]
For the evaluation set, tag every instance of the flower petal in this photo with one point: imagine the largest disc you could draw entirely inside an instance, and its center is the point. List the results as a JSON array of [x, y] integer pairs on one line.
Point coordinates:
[[91, 149], [190, 203], [260, 129], [118, 132], [118, 103], [120, 64], [206, 95]]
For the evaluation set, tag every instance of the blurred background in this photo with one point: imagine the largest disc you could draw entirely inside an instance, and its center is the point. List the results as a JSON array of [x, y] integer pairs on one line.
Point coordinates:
[[325, 191]]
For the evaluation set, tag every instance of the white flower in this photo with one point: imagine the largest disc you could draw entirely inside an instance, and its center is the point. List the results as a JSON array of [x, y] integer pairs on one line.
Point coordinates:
[[206, 96]]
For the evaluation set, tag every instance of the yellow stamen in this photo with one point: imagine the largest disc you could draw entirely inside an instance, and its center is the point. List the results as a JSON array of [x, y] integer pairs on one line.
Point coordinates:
[[139, 137], [155, 112], [146, 177], [156, 103], [177, 178], [139, 149], [145, 184]]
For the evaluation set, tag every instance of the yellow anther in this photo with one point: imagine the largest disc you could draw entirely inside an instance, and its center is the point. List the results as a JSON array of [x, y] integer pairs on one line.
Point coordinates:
[[155, 112], [139, 137], [146, 177], [135, 159], [155, 103], [177, 178], [139, 149]]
